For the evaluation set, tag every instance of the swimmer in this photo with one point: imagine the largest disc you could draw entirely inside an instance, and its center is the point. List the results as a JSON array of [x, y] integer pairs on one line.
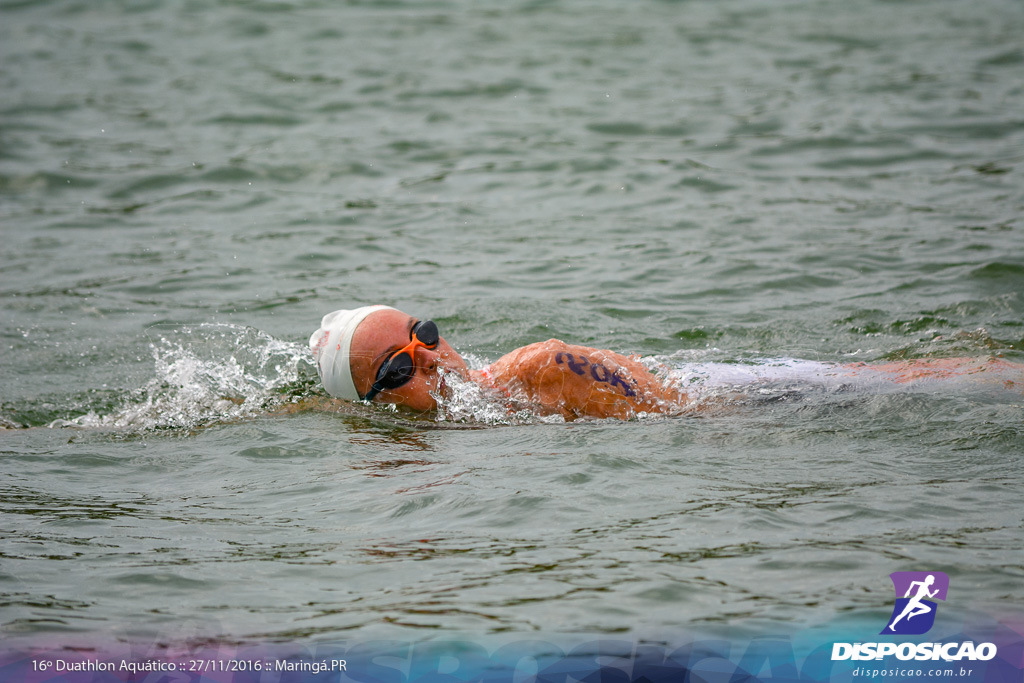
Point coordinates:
[[380, 354]]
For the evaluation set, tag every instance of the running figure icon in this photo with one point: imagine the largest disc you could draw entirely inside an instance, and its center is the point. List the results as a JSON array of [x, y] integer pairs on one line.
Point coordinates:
[[919, 591], [915, 607]]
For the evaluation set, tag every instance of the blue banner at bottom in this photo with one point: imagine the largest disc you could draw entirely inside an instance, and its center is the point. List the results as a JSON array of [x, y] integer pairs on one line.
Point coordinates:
[[993, 654]]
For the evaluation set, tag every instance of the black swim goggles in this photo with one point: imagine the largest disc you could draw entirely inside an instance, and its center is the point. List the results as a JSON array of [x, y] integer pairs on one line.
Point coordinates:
[[401, 365]]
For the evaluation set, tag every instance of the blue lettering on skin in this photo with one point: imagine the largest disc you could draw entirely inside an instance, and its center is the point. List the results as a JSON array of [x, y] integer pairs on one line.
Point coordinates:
[[597, 371], [626, 389], [579, 367]]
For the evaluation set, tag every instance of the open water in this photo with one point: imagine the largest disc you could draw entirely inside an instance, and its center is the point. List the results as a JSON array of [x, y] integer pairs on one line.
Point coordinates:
[[187, 187]]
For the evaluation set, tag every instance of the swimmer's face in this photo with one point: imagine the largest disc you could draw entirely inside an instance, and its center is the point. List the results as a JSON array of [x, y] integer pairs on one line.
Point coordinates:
[[378, 338]]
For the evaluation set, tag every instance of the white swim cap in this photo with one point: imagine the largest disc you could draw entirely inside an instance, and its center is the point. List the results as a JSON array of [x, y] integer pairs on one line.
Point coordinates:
[[331, 344]]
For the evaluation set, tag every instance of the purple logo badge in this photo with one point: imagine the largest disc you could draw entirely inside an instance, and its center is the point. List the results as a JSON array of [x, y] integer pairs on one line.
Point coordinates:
[[916, 592]]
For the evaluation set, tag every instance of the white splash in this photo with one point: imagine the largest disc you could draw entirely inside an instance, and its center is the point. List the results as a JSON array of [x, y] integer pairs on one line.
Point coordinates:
[[466, 402], [205, 374]]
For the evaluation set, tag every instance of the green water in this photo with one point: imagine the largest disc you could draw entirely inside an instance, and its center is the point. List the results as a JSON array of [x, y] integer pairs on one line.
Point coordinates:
[[186, 188]]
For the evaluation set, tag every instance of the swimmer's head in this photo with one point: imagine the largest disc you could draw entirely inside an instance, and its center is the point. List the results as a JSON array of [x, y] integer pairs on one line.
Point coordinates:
[[373, 352]]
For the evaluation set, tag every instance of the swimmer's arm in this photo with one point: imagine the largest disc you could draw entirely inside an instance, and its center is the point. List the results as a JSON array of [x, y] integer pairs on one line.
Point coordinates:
[[996, 370], [579, 381]]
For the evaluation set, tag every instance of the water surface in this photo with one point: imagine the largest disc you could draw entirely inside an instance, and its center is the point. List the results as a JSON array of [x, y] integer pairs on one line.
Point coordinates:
[[186, 188]]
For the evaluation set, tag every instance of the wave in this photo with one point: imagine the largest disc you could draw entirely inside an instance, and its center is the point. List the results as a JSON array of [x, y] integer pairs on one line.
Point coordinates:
[[209, 373]]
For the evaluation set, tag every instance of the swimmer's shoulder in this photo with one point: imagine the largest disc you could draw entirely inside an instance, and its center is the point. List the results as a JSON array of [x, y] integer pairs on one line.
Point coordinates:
[[550, 345], [533, 352], [523, 363]]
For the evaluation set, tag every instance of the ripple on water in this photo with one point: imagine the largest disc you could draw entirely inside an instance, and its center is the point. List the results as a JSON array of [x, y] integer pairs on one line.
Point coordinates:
[[694, 182]]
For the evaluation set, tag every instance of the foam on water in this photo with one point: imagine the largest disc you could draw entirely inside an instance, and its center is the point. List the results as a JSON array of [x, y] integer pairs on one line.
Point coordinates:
[[205, 374], [463, 401]]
